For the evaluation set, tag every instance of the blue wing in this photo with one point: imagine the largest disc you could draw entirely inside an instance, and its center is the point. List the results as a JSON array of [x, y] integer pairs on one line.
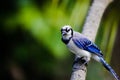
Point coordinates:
[[85, 44]]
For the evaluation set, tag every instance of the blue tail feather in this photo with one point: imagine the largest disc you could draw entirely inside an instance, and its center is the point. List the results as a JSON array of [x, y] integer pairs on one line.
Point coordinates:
[[109, 68]]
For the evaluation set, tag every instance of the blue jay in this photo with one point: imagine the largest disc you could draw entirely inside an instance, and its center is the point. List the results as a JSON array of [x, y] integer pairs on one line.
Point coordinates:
[[83, 47]]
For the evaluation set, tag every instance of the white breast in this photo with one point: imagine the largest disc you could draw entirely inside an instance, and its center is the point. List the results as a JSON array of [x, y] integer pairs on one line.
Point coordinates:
[[79, 52]]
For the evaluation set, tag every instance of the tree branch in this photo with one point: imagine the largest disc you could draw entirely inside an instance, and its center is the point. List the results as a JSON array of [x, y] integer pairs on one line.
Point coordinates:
[[90, 29]]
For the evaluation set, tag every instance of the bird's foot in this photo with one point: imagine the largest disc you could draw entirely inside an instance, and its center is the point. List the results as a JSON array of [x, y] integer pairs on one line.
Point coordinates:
[[81, 61]]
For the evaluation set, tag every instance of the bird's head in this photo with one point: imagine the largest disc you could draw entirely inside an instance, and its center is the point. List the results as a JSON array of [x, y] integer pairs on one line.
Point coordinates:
[[67, 32]]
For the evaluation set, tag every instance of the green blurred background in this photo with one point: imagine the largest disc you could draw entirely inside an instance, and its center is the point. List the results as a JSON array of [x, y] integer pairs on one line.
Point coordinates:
[[30, 39]]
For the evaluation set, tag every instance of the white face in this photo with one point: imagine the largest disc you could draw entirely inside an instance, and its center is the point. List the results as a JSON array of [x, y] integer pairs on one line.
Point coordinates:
[[66, 32]]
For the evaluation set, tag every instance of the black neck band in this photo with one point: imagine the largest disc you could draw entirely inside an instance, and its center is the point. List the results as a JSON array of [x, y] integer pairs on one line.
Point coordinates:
[[66, 41]]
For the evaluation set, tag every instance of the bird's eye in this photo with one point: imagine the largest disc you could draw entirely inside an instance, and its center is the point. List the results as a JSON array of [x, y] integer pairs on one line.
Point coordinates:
[[67, 30]]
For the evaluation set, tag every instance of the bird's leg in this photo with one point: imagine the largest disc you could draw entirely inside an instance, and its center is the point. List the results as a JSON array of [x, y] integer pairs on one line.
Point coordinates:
[[84, 61], [81, 61], [77, 59]]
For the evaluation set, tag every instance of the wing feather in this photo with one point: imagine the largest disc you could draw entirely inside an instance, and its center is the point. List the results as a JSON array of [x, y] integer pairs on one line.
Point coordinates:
[[85, 44]]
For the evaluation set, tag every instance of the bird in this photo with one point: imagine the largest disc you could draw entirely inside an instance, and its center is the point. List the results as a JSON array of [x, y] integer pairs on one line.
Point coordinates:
[[81, 46]]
